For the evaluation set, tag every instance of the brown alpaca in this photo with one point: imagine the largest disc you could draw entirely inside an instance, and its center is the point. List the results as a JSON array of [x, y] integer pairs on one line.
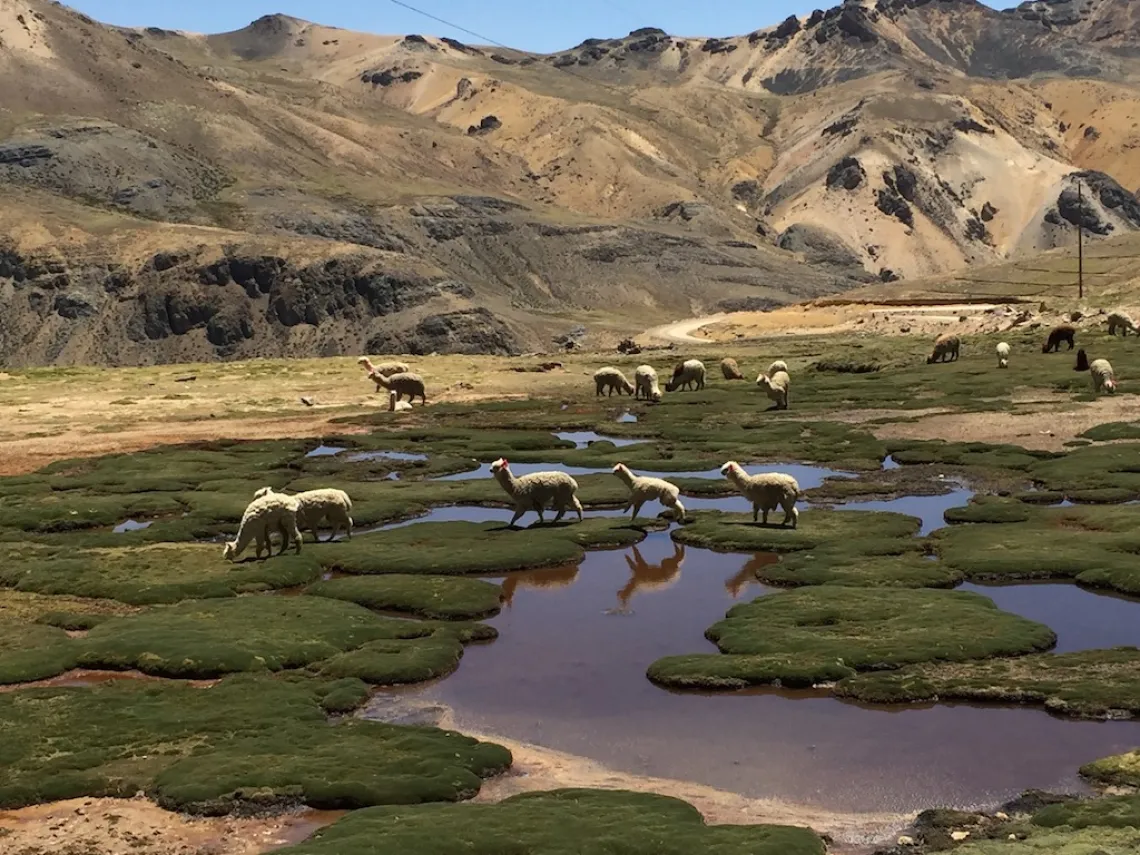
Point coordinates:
[[1058, 335]]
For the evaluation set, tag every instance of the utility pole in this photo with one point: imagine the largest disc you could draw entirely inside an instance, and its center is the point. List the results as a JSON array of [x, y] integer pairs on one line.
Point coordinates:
[[1080, 240]]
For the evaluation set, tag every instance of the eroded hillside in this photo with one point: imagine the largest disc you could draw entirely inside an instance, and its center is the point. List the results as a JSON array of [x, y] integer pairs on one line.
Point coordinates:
[[293, 188]]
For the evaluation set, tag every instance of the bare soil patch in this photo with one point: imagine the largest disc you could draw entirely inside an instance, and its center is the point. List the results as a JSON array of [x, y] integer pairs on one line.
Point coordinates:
[[139, 827]]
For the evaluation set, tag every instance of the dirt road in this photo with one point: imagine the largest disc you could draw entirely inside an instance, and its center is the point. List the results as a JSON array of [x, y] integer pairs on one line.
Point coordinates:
[[681, 331]]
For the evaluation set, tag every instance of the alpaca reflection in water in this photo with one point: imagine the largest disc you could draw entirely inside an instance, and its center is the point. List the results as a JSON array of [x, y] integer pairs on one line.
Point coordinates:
[[747, 574], [648, 577], [551, 577]]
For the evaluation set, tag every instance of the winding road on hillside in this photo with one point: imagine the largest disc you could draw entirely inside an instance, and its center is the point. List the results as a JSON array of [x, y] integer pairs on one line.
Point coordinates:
[[681, 331]]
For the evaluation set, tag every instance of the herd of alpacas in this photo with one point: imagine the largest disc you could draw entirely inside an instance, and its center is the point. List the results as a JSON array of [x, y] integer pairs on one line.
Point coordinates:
[[271, 511], [290, 514], [948, 345]]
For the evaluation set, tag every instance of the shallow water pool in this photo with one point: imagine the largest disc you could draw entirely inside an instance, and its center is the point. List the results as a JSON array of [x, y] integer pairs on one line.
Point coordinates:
[[325, 451], [568, 672], [362, 456], [1082, 619], [582, 439], [133, 525]]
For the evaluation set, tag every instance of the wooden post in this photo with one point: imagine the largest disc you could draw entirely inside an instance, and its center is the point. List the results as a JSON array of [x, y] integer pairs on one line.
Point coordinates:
[[1080, 240]]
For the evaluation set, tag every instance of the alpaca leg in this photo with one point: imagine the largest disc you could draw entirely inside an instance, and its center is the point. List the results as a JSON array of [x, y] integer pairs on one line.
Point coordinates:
[[296, 539], [518, 513], [679, 510], [539, 507], [561, 512], [755, 512], [765, 520]]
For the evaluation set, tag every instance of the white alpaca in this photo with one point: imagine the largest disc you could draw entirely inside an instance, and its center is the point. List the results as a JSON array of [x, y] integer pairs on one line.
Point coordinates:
[[766, 491], [262, 515], [1003, 355], [316, 506], [535, 491], [645, 383], [1103, 377], [644, 489], [397, 406]]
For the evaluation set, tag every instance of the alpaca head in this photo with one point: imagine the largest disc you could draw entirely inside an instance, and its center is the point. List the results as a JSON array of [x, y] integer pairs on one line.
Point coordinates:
[[620, 469], [500, 465], [730, 469], [264, 491], [1110, 385], [228, 552], [764, 381]]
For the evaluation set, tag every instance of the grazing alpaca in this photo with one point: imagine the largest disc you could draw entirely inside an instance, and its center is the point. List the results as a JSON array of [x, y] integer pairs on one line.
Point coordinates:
[[262, 515], [1062, 333]]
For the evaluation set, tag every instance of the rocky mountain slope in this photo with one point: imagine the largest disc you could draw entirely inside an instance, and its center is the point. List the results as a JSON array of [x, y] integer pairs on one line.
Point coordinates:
[[293, 188]]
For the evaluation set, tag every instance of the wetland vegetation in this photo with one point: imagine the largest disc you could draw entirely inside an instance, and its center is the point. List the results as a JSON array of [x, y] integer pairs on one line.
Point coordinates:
[[864, 612]]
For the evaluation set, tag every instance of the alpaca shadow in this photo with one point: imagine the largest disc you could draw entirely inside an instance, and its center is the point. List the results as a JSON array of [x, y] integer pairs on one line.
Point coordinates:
[[750, 524], [548, 524]]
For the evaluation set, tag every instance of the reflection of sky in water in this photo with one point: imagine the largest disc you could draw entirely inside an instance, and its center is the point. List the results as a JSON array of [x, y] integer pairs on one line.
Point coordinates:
[[1082, 619], [568, 672]]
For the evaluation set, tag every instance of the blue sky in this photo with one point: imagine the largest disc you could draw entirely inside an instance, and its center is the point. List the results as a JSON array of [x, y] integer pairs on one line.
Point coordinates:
[[512, 22]]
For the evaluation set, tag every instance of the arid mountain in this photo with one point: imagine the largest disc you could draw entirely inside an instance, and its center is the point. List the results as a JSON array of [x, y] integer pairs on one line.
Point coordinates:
[[292, 188]]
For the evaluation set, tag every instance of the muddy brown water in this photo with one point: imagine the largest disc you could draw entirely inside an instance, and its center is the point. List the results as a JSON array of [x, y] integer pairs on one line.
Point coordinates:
[[568, 672]]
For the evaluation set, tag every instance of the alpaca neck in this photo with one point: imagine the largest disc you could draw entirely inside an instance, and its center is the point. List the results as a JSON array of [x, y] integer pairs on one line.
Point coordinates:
[[625, 475], [245, 534], [507, 481]]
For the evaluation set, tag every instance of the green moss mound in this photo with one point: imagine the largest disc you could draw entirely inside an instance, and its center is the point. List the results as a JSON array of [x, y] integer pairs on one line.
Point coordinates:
[[201, 639], [813, 635], [989, 509], [158, 573], [1119, 770], [1096, 547], [880, 566], [209, 638], [726, 532], [559, 822], [1107, 812], [965, 454], [33, 652], [1092, 841], [1097, 467], [394, 662], [245, 740], [437, 597], [1088, 684], [1113, 431], [457, 548]]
